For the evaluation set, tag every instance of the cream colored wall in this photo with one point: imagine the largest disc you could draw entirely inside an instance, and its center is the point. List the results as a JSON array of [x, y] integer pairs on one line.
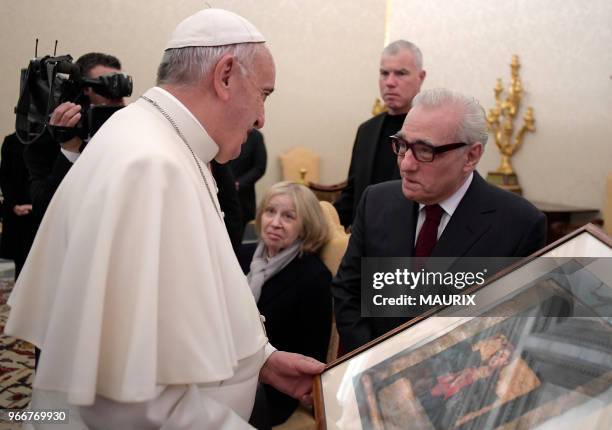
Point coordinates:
[[327, 60], [564, 48], [326, 56]]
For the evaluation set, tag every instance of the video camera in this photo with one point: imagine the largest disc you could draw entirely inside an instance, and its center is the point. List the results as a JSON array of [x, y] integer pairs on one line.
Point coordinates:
[[48, 82]]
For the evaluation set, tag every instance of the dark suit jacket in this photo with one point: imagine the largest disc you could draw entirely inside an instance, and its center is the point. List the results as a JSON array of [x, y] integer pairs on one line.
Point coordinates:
[[360, 169], [297, 305], [17, 231], [489, 222], [229, 202], [47, 167], [248, 168]]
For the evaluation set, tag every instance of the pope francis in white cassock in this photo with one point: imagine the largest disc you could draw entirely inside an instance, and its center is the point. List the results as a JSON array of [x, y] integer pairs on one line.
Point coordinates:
[[132, 290]]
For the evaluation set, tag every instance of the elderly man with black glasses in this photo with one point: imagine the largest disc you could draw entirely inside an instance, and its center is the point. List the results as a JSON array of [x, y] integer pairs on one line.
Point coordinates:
[[441, 207]]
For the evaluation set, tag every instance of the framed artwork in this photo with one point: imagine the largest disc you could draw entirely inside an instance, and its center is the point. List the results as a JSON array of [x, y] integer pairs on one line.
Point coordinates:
[[538, 353]]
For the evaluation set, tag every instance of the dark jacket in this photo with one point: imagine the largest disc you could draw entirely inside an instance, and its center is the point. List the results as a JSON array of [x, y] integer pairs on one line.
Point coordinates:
[[247, 169], [489, 222], [361, 167], [229, 202], [297, 305], [17, 231], [47, 167]]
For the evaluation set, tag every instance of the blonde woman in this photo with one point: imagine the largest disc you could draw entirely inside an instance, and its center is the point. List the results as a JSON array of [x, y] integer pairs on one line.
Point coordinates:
[[290, 283]]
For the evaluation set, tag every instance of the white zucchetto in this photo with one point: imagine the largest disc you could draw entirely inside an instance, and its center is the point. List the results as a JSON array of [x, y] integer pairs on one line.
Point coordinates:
[[214, 27]]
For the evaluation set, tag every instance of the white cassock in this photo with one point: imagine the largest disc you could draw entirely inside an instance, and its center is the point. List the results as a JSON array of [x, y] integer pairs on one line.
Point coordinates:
[[132, 290]]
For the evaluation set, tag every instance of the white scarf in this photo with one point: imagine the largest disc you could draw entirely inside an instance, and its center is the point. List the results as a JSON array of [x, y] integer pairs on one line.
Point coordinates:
[[264, 267]]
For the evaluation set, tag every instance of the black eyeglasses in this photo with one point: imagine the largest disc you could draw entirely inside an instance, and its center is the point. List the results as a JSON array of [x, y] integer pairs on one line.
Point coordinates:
[[422, 151]]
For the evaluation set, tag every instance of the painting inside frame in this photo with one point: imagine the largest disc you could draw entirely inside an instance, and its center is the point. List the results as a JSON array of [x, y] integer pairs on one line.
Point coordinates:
[[540, 353]]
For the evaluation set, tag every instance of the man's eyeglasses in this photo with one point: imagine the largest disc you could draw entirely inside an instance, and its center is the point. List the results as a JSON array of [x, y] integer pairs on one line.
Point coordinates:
[[422, 151]]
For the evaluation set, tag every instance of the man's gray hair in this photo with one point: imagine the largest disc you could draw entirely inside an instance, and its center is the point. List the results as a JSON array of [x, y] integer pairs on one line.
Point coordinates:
[[473, 124], [186, 66], [394, 48]]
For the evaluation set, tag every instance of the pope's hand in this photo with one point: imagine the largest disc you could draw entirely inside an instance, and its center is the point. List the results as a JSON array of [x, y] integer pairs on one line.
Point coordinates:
[[291, 374]]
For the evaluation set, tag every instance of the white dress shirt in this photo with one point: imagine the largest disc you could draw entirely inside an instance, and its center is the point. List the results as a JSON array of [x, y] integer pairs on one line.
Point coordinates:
[[449, 206]]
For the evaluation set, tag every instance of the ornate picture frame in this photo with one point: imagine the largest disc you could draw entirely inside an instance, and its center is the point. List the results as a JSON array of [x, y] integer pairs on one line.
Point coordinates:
[[539, 354]]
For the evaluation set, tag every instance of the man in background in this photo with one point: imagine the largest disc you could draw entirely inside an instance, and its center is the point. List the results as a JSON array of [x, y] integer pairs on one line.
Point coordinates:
[[373, 161]]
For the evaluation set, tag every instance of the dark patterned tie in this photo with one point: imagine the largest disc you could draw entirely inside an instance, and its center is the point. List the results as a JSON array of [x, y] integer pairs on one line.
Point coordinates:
[[428, 236]]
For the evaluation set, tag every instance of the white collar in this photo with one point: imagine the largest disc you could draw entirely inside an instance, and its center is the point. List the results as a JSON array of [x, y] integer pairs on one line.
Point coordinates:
[[450, 204], [198, 139]]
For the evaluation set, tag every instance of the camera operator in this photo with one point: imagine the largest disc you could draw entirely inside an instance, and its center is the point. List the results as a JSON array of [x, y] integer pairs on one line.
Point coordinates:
[[48, 160]]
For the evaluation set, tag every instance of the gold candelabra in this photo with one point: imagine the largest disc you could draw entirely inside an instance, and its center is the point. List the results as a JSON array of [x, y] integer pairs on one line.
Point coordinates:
[[379, 107], [501, 120]]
